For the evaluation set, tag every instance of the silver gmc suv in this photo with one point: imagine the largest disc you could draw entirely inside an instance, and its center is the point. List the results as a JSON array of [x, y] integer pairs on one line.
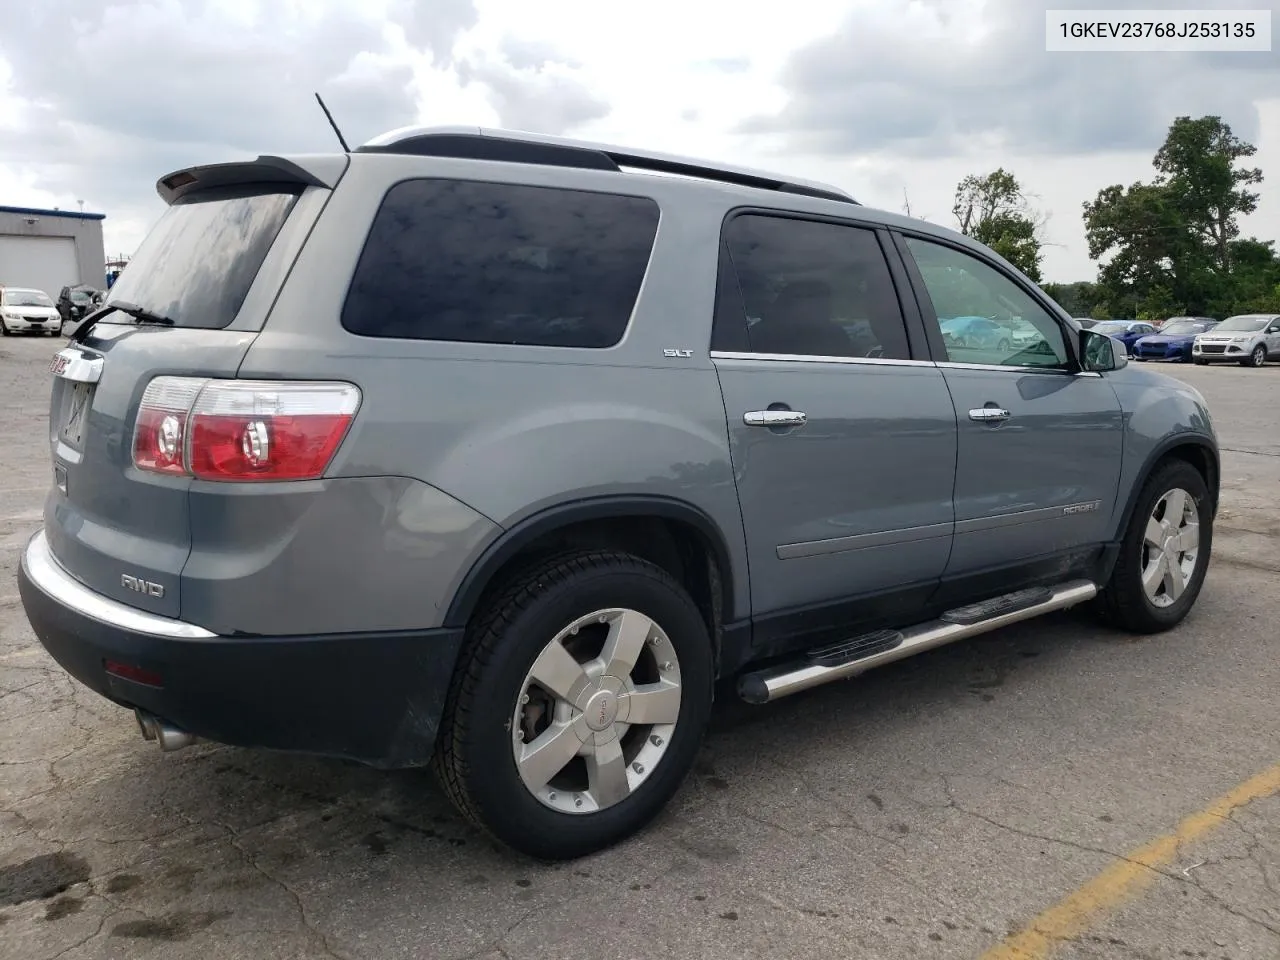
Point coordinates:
[[496, 452]]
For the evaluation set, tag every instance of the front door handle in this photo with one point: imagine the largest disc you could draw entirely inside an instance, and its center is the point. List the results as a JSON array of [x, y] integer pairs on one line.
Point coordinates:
[[774, 418], [989, 414]]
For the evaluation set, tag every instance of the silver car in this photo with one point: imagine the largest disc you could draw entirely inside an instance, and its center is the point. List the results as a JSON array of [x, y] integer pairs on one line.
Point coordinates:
[[460, 450], [1248, 339]]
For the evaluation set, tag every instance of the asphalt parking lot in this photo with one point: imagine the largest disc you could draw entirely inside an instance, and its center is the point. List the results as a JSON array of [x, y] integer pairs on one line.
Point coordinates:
[[1118, 795]]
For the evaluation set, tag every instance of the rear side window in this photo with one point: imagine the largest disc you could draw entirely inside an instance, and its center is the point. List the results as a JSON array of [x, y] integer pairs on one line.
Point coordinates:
[[812, 289], [196, 265], [501, 263]]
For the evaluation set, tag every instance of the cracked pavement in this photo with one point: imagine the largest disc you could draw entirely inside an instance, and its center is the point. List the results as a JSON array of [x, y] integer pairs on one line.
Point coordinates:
[[926, 809]]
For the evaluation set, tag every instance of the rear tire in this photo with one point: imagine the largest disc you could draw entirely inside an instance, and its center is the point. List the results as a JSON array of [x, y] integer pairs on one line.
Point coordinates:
[[1172, 520], [500, 698]]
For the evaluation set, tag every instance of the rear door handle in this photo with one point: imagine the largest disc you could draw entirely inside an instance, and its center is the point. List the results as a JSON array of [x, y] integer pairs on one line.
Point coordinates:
[[774, 418], [989, 414]]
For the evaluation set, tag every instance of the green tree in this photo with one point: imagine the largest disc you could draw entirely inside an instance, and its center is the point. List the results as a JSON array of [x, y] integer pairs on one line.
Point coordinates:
[[1197, 166], [1170, 246], [994, 210], [1079, 299]]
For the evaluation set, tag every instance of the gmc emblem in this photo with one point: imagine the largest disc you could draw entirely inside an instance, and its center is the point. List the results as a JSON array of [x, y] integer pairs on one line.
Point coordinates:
[[141, 586]]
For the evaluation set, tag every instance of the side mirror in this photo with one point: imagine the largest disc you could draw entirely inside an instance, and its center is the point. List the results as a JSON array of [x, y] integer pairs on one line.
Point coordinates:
[[1100, 353]]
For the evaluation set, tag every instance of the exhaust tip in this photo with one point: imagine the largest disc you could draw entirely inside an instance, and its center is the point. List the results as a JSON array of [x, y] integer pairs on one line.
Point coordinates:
[[168, 736], [171, 738], [146, 723]]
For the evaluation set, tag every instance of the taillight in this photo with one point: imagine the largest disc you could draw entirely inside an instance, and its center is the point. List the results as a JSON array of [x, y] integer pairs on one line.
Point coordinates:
[[242, 430]]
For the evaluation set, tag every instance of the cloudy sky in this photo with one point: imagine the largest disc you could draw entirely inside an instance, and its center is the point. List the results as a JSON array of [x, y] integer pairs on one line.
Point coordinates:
[[98, 98]]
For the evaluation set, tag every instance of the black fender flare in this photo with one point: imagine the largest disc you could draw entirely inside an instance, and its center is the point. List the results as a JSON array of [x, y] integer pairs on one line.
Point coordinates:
[[515, 538]]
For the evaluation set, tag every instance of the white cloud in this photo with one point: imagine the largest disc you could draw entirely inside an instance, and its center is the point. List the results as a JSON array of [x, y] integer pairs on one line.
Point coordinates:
[[875, 96]]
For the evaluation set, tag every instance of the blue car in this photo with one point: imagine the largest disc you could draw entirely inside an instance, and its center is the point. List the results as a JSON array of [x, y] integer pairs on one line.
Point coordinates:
[[1127, 332], [1174, 339], [979, 333]]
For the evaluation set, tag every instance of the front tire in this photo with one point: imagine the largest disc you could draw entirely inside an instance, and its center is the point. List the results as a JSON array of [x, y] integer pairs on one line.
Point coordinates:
[[1258, 358], [1165, 552], [578, 705], [1002, 346]]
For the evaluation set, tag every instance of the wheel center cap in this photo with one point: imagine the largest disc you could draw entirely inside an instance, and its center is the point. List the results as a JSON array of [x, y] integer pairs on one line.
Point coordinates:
[[601, 710]]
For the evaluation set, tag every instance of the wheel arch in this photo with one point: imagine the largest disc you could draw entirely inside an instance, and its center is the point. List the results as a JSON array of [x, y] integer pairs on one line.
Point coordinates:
[[1198, 451], [651, 526]]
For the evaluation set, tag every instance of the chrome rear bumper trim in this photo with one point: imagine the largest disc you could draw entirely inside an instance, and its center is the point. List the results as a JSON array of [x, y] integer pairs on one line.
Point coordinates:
[[44, 571]]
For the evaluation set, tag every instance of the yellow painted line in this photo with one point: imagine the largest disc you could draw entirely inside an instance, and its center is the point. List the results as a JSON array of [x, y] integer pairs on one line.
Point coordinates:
[[1125, 878]]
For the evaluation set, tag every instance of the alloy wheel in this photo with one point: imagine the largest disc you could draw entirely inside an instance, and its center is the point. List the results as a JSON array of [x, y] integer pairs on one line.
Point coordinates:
[[596, 711], [1171, 547]]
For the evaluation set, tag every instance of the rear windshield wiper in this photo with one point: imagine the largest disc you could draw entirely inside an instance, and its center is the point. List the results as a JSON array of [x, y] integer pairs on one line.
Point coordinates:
[[140, 314]]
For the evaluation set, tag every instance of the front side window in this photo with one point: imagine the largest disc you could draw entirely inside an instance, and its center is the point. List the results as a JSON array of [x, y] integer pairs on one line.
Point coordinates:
[[815, 289], [501, 263], [982, 315]]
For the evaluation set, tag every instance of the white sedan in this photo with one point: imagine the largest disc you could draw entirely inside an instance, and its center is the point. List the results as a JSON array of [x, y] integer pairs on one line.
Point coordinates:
[[23, 310]]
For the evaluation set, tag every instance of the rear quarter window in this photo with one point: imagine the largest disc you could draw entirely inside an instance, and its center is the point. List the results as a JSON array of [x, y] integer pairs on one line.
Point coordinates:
[[501, 263]]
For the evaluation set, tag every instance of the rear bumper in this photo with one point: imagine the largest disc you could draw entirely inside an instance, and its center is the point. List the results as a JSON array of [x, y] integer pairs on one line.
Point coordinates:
[[376, 698]]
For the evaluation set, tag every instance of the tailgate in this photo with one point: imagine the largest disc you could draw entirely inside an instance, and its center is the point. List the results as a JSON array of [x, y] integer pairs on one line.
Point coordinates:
[[189, 305], [122, 532]]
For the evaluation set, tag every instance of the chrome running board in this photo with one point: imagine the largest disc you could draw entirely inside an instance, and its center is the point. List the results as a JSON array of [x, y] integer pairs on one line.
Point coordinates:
[[860, 654]]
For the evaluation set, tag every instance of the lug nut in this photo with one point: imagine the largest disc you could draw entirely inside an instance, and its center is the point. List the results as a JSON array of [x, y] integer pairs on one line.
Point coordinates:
[[656, 740], [666, 665], [524, 699], [577, 801], [638, 768], [551, 796]]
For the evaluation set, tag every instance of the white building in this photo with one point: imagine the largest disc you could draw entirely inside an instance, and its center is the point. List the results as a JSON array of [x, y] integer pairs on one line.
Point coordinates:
[[50, 249]]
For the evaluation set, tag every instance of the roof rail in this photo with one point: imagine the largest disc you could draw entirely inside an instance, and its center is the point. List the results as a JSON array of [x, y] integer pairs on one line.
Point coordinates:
[[479, 143]]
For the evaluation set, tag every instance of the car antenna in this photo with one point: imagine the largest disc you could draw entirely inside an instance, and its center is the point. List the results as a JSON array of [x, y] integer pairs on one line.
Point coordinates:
[[329, 116]]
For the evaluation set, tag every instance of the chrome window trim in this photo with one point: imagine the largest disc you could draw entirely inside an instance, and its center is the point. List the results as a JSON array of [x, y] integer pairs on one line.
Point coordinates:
[[812, 358], [999, 368]]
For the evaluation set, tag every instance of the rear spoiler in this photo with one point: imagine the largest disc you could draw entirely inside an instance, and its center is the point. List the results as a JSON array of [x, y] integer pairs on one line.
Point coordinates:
[[319, 170]]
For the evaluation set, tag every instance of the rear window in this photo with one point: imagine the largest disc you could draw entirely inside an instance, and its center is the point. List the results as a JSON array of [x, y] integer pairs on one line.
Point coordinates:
[[196, 265], [501, 263]]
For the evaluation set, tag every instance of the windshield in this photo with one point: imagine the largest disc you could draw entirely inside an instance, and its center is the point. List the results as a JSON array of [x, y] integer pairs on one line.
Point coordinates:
[[196, 265], [1176, 327], [26, 298], [1242, 324], [79, 296]]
